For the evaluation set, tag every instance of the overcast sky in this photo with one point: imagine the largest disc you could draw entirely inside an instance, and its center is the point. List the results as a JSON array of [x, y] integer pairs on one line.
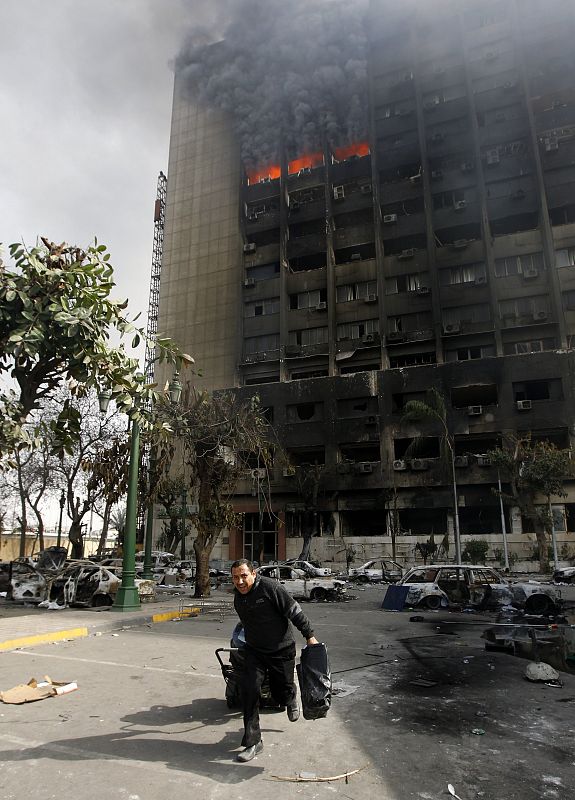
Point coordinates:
[[85, 99]]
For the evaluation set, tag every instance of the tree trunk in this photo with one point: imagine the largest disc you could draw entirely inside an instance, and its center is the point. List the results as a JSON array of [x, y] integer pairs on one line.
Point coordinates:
[[24, 518], [308, 525], [76, 539], [105, 526], [40, 522], [543, 545], [202, 588]]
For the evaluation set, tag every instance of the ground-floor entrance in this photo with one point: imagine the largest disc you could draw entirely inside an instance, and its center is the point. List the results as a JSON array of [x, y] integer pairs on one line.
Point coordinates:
[[260, 537]]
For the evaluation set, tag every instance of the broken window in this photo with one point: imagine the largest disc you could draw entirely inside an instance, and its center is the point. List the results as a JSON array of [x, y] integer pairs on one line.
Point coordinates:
[[304, 263], [470, 353], [399, 400], [262, 308], [480, 395], [309, 456], [304, 412], [427, 447], [310, 373], [406, 323], [357, 407], [563, 215], [371, 367], [423, 522], [530, 346], [528, 265], [360, 452], [412, 360], [263, 272], [565, 257], [465, 273], [362, 523], [538, 390], [257, 380]]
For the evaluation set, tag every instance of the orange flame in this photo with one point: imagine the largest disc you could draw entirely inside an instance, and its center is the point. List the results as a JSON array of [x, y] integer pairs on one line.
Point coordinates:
[[357, 149], [261, 173], [305, 162]]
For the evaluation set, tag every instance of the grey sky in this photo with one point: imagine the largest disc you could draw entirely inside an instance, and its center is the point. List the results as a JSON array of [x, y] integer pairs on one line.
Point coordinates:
[[85, 98]]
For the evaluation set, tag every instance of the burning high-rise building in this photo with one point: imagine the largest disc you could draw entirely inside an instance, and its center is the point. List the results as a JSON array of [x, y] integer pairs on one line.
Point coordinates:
[[363, 203]]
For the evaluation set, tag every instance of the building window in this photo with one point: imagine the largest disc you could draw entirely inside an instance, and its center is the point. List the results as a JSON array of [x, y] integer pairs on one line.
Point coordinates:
[[565, 257], [263, 272], [527, 265], [303, 300], [411, 360], [357, 291], [409, 323], [304, 412], [405, 283], [470, 353], [524, 308], [466, 273], [461, 314], [355, 330], [261, 308], [532, 346], [260, 344], [308, 336]]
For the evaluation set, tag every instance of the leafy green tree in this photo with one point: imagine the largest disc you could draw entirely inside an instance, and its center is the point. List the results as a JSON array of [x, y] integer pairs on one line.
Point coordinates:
[[534, 471], [433, 409], [219, 436], [56, 321]]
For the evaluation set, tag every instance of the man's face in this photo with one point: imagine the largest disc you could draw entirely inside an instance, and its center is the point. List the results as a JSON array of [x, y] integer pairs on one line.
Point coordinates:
[[243, 578]]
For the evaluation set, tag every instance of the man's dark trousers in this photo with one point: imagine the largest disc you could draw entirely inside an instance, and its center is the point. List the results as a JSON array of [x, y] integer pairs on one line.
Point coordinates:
[[280, 668]]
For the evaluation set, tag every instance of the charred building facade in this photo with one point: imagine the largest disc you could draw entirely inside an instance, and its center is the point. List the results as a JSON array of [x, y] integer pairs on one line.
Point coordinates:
[[437, 251]]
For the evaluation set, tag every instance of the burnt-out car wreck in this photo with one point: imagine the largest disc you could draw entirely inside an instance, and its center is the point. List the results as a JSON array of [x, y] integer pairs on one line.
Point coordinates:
[[54, 580]]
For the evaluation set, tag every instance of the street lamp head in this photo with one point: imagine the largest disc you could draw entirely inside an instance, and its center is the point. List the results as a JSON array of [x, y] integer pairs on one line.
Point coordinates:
[[175, 389], [62, 499], [104, 397]]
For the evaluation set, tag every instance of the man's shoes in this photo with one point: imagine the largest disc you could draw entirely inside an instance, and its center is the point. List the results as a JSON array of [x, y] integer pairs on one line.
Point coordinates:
[[250, 752], [293, 711]]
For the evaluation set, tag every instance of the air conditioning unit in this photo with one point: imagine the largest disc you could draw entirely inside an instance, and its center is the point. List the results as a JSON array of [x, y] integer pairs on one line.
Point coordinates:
[[343, 469], [338, 192], [321, 306], [368, 338], [249, 359], [483, 461], [461, 461], [551, 144], [480, 280], [460, 244], [250, 247], [530, 273], [389, 219], [419, 464], [406, 254], [459, 205], [436, 174], [288, 472], [467, 166], [399, 465], [539, 316], [364, 467], [423, 290], [370, 298], [452, 327], [371, 419], [355, 257], [261, 356], [258, 474], [249, 282], [396, 336], [432, 102], [366, 188], [474, 411], [492, 157], [524, 405]]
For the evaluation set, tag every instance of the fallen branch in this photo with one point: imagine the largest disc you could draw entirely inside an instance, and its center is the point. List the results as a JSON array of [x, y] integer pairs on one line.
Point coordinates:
[[315, 779]]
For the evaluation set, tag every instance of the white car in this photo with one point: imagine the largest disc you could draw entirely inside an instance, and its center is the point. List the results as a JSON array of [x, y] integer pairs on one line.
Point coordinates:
[[299, 585], [378, 569], [436, 585], [564, 575], [308, 567]]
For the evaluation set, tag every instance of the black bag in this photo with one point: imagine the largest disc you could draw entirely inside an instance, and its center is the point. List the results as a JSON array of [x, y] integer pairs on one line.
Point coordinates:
[[314, 677]]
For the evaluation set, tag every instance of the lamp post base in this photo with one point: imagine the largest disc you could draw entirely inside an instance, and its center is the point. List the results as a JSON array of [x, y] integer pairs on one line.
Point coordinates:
[[127, 599]]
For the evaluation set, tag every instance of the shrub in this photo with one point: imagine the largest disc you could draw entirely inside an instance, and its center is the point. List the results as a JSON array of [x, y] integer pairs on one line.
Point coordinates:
[[475, 551]]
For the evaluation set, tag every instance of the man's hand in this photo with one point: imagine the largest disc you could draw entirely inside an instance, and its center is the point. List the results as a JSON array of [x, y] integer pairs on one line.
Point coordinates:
[[311, 640]]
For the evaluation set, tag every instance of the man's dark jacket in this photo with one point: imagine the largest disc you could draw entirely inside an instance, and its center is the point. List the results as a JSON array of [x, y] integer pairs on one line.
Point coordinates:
[[265, 612]]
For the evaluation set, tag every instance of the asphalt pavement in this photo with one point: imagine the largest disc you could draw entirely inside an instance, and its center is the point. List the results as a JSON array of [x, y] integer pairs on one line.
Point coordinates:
[[413, 710]]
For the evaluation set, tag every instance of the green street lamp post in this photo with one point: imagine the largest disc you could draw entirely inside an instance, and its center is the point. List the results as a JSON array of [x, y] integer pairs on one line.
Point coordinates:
[[62, 502], [183, 515], [147, 571]]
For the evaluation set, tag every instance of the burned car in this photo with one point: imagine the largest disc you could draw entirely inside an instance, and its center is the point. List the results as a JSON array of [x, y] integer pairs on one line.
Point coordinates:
[[299, 585], [564, 575], [52, 579], [438, 585], [378, 569]]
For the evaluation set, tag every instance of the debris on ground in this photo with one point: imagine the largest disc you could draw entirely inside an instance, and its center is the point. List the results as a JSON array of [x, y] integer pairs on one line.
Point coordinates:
[[36, 690], [538, 671], [308, 777]]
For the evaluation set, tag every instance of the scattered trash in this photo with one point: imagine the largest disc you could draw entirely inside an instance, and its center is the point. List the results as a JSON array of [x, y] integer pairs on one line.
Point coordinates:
[[451, 791], [115, 634], [539, 671], [36, 690], [308, 777], [51, 605], [423, 683], [554, 684], [341, 689], [477, 731], [481, 713], [417, 618]]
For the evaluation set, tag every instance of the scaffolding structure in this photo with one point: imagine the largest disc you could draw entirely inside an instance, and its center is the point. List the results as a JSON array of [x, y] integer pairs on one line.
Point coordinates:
[[154, 300]]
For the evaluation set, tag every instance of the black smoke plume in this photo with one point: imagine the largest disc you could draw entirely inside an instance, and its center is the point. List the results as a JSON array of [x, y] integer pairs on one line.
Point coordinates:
[[291, 72]]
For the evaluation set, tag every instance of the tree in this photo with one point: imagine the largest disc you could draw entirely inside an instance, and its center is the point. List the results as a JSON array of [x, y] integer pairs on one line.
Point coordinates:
[[433, 409], [309, 480], [56, 320], [533, 470], [219, 436]]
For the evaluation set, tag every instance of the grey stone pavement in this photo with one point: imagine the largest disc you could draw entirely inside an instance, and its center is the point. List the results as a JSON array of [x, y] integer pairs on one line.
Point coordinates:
[[149, 719]]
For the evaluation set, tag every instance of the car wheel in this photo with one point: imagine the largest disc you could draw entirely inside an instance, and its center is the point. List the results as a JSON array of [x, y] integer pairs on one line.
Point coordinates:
[[318, 593], [363, 578], [540, 605], [433, 602]]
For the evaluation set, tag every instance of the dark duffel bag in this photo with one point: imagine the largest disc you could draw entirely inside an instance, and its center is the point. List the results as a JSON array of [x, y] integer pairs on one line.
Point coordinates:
[[314, 677]]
